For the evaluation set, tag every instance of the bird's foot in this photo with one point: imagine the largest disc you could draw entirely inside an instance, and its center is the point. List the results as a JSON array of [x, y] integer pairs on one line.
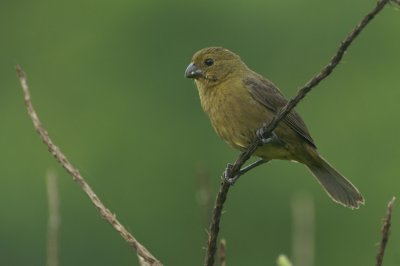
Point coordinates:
[[272, 138], [227, 173]]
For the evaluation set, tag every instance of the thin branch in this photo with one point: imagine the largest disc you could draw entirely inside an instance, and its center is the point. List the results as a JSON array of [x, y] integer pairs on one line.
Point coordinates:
[[62, 159], [215, 221], [245, 155], [385, 232], [53, 224]]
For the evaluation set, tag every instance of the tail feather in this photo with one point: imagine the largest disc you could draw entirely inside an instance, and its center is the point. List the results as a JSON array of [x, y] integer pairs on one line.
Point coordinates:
[[337, 186]]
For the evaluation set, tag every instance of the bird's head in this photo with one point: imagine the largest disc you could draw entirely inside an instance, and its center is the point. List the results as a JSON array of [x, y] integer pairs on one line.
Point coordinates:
[[212, 65]]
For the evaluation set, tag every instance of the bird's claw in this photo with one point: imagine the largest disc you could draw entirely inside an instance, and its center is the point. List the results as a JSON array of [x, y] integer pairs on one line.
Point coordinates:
[[272, 137], [227, 173], [231, 181]]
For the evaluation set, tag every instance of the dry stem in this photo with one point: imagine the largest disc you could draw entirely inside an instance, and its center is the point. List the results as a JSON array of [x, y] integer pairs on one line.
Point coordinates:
[[385, 232], [62, 159]]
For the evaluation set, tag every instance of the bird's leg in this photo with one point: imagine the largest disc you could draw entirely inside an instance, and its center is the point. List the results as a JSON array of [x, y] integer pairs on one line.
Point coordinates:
[[273, 138], [232, 180]]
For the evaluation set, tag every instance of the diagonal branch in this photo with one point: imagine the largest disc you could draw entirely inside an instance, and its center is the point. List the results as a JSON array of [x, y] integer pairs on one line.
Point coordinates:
[[245, 155], [141, 251], [387, 222]]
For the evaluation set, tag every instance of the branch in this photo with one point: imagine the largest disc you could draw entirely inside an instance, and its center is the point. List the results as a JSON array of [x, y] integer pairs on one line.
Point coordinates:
[[76, 176], [245, 155], [385, 232], [53, 224]]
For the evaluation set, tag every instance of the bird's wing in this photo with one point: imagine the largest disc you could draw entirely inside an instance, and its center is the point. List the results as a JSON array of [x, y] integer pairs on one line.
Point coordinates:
[[264, 92]]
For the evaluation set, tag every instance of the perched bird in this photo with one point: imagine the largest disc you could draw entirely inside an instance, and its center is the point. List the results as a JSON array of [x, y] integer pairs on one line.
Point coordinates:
[[239, 101]]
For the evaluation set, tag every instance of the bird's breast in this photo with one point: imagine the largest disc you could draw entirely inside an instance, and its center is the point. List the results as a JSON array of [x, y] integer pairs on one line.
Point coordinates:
[[236, 117], [234, 114]]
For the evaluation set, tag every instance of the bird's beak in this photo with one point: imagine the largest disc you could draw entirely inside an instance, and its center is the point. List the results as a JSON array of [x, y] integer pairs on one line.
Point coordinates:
[[193, 72]]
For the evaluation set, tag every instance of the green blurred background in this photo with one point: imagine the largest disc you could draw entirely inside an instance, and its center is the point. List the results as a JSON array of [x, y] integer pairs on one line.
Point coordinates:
[[107, 80]]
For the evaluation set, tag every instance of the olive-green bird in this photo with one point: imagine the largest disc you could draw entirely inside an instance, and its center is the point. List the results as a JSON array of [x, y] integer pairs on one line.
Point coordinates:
[[239, 101]]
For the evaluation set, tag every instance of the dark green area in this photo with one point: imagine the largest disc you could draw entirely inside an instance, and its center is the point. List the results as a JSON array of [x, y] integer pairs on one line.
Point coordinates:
[[107, 80]]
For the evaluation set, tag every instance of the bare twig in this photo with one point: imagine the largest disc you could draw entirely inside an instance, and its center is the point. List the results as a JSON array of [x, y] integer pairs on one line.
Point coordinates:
[[222, 252], [245, 155], [53, 224], [215, 221], [60, 157], [385, 232]]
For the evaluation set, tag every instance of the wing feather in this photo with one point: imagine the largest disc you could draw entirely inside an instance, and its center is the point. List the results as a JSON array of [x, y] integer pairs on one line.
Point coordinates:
[[267, 94]]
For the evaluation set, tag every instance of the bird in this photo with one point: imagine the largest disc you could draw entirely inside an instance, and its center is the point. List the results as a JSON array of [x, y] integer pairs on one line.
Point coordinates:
[[239, 101]]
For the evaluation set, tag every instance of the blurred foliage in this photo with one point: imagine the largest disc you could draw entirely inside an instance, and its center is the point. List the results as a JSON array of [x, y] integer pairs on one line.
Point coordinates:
[[283, 261], [107, 80]]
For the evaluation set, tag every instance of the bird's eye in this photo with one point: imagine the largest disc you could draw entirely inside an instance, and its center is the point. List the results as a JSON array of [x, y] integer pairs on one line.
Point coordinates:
[[209, 62]]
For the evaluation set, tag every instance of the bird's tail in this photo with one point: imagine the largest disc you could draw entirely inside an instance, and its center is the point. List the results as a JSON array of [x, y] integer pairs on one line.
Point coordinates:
[[337, 186]]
